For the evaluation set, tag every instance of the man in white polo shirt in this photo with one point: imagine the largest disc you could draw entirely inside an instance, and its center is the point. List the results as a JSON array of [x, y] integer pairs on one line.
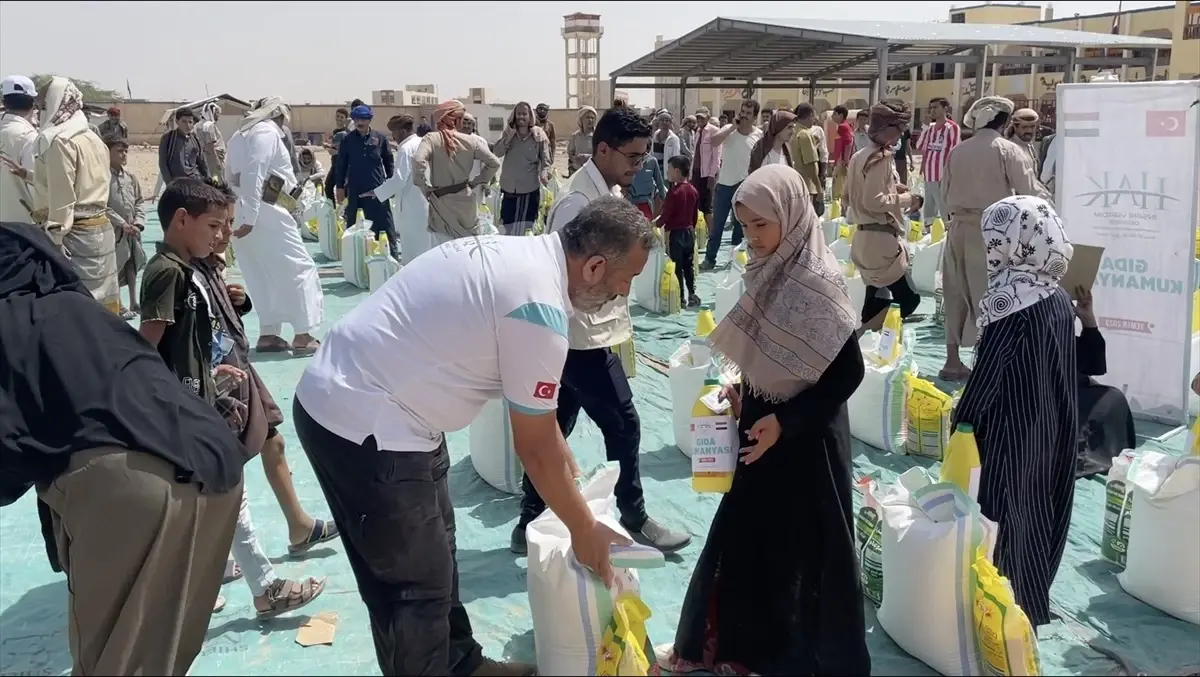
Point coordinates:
[[593, 380], [737, 141], [474, 319]]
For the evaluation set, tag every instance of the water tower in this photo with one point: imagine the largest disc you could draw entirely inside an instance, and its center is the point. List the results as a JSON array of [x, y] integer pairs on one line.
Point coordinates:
[[581, 37]]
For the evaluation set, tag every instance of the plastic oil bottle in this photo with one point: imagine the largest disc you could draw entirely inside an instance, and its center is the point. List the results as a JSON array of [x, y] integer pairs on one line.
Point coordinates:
[[741, 259], [714, 441], [668, 289], [705, 323], [889, 347], [835, 209], [961, 465], [937, 230]]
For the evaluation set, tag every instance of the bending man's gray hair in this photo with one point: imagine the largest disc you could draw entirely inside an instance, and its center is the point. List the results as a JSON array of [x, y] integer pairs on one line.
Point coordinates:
[[608, 226]]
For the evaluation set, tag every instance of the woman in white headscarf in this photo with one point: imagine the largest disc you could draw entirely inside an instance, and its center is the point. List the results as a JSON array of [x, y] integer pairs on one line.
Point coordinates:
[[212, 142], [71, 181], [279, 272], [1021, 396]]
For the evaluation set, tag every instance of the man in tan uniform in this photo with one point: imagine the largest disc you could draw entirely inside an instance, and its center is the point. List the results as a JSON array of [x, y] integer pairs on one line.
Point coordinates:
[[70, 191], [442, 171], [982, 170], [879, 201]]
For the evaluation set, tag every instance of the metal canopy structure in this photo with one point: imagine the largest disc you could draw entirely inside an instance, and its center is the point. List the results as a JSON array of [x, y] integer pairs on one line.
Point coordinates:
[[813, 50]]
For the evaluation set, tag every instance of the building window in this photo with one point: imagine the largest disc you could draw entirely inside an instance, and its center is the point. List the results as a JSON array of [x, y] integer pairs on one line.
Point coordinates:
[[958, 18], [495, 124]]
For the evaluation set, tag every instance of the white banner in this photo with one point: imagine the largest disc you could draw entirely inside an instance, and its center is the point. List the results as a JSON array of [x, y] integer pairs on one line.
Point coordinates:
[[1128, 182]]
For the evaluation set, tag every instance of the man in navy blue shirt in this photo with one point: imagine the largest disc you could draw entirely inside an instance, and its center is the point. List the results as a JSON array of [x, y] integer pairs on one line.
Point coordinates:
[[364, 161]]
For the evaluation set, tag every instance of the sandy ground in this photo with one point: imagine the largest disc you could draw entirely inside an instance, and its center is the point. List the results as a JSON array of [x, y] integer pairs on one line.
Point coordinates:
[[143, 162]]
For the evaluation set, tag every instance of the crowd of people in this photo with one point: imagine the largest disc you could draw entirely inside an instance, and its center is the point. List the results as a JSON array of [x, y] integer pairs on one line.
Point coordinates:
[[156, 423]]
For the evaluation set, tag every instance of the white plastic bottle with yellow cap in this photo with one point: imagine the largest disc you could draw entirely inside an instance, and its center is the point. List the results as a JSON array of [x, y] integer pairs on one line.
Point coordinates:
[[888, 350], [714, 440]]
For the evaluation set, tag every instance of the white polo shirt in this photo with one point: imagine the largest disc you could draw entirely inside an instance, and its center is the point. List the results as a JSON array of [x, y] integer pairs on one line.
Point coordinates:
[[472, 320]]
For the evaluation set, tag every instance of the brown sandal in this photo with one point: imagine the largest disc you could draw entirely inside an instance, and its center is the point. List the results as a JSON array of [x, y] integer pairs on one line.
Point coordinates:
[[307, 349], [275, 345], [288, 595]]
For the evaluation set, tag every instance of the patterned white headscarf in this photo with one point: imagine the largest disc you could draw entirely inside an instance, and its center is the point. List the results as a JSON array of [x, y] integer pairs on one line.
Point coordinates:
[[985, 110], [1027, 254], [267, 108]]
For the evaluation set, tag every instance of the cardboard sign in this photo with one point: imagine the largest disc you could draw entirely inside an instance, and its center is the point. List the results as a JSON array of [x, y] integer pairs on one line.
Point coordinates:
[[1082, 271]]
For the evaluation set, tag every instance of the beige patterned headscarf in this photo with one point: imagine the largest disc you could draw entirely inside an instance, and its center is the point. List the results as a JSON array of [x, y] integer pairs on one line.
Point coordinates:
[[795, 316], [985, 110]]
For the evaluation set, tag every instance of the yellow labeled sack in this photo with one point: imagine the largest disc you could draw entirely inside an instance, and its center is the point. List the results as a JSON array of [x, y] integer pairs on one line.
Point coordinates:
[[625, 649], [916, 231], [928, 419], [1194, 445], [1196, 312], [835, 210], [1003, 634], [628, 355]]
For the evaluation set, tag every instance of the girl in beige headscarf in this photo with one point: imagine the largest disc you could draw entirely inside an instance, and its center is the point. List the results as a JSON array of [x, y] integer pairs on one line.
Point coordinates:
[[756, 602]]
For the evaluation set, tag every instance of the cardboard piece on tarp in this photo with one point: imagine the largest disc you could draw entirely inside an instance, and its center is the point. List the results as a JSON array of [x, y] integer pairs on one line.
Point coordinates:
[[318, 630], [1082, 271]]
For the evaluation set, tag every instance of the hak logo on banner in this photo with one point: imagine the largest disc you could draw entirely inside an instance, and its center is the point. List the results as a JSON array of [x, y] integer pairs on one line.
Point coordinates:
[[1138, 191]]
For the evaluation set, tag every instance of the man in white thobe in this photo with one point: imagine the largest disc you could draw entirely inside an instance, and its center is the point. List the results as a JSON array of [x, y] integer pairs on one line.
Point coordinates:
[[280, 275], [410, 211]]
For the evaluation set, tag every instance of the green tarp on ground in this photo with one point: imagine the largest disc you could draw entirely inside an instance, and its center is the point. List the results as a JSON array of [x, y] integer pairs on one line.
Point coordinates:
[[33, 612]]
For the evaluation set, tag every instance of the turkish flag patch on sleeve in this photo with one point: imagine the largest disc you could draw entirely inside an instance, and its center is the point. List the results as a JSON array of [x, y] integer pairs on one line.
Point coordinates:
[[544, 390]]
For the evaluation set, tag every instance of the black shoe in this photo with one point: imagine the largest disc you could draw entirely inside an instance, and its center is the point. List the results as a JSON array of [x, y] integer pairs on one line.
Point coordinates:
[[693, 301], [518, 545], [707, 265], [657, 536]]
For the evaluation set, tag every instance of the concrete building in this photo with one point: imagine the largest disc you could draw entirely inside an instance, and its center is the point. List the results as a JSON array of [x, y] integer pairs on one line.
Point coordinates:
[[581, 40], [1028, 84], [405, 97]]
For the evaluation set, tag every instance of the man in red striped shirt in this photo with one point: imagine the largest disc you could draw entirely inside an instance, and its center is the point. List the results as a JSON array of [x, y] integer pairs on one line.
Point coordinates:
[[935, 145]]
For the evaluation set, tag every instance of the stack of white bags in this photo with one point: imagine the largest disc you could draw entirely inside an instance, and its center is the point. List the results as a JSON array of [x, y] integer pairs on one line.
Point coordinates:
[[570, 606]]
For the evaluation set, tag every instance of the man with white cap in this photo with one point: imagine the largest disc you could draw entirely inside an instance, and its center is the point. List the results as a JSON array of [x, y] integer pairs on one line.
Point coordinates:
[[17, 132], [981, 171]]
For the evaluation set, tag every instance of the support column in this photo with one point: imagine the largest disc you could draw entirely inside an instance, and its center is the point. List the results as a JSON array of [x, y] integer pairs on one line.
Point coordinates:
[[881, 56], [567, 67], [682, 100], [1031, 86], [873, 91], [1154, 66], [812, 92], [956, 93], [981, 73], [1126, 55], [1071, 70], [912, 82]]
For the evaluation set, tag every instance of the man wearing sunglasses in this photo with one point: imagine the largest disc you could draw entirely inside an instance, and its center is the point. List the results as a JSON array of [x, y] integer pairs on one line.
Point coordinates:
[[592, 378]]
